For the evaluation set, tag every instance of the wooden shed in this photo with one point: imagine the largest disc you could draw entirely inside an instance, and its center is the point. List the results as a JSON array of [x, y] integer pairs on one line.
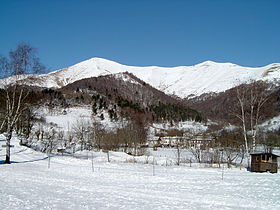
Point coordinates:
[[264, 162]]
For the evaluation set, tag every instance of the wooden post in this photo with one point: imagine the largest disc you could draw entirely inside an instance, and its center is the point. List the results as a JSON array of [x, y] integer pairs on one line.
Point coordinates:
[[92, 167], [153, 166], [108, 156], [49, 160], [223, 165]]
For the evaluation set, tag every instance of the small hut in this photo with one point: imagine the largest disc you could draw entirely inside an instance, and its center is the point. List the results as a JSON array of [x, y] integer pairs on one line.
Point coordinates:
[[264, 162]]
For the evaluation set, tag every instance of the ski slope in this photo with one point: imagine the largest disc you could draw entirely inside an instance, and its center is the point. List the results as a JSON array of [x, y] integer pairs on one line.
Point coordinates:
[[70, 183]]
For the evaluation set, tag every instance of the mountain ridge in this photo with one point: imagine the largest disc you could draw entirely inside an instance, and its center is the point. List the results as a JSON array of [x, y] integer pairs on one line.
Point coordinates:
[[183, 81]]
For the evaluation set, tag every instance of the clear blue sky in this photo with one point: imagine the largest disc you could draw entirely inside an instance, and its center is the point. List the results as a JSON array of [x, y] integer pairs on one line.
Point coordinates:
[[144, 32]]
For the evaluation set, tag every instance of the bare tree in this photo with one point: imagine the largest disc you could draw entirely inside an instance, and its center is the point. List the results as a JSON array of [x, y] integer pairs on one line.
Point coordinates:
[[179, 143], [242, 100], [50, 140], [259, 95], [4, 67], [81, 129], [109, 142], [15, 100], [230, 142], [196, 152], [250, 103], [134, 137], [269, 140], [15, 96], [178, 152], [38, 67], [23, 60], [97, 132], [50, 143]]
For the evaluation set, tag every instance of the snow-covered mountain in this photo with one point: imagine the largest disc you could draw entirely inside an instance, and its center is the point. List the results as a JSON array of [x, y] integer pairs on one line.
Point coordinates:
[[182, 81]]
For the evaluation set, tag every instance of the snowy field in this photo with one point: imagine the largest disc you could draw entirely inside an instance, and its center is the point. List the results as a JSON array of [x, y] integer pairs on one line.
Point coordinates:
[[70, 183]]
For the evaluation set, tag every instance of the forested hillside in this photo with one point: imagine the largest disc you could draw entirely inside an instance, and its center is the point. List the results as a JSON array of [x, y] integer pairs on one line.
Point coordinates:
[[127, 96], [223, 107]]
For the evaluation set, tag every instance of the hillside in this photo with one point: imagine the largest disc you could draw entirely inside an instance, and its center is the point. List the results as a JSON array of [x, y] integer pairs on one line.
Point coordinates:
[[183, 81], [122, 95], [223, 106]]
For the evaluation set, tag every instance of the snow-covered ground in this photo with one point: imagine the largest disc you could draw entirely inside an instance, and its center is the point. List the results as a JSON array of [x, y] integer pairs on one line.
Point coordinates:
[[70, 183], [66, 119]]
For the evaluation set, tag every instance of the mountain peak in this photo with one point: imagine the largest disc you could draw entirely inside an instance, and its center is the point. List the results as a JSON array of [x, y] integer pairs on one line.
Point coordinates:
[[99, 60], [208, 63], [213, 63]]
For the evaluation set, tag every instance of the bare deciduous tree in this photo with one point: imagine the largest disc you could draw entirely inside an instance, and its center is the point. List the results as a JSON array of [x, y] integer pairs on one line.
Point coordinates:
[[81, 129], [4, 67], [21, 60], [250, 103], [15, 100], [231, 144], [97, 132], [135, 137]]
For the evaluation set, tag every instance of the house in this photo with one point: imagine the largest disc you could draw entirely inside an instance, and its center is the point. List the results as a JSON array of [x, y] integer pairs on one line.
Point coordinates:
[[200, 141], [197, 141], [154, 141], [263, 162]]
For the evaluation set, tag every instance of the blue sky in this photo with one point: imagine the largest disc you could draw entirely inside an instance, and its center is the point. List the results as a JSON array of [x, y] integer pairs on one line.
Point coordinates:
[[144, 32]]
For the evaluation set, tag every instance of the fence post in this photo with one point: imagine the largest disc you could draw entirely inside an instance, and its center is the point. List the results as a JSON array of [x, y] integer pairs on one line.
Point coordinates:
[[153, 166]]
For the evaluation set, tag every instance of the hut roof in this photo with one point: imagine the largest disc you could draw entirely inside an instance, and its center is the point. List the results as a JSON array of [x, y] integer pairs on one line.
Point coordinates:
[[264, 153]]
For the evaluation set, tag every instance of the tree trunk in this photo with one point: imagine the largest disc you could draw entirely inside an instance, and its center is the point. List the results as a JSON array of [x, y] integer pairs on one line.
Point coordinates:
[[178, 155], [8, 146], [241, 101], [108, 156]]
